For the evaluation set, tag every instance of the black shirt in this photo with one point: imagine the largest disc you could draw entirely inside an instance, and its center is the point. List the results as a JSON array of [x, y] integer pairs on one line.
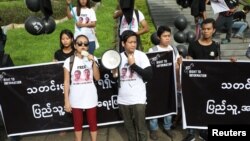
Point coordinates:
[[239, 15], [61, 56], [198, 51]]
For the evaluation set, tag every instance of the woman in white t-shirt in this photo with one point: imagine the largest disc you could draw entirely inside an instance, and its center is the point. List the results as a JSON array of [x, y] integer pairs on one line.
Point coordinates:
[[81, 94], [85, 21]]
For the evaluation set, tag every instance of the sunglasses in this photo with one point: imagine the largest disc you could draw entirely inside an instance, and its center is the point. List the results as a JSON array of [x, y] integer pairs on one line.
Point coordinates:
[[81, 44]]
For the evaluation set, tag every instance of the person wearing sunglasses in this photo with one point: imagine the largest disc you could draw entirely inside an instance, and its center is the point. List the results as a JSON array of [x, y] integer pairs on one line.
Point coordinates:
[[81, 97]]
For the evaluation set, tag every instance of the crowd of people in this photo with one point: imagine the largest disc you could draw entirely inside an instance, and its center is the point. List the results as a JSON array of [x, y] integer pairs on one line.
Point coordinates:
[[81, 70]]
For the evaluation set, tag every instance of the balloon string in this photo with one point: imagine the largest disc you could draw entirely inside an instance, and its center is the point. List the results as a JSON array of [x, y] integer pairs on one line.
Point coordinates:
[[74, 15]]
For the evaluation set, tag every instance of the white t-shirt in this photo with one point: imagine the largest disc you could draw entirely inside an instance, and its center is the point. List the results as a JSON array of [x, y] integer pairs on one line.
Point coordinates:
[[168, 48], [83, 92], [132, 88], [134, 24], [86, 15]]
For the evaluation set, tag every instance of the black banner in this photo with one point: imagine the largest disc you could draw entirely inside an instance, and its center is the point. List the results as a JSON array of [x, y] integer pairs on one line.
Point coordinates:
[[32, 96], [215, 92]]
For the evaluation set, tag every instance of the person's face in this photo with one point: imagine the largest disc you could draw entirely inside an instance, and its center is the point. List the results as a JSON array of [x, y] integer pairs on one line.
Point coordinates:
[[66, 40], [130, 44], [77, 75], [207, 30], [83, 2], [87, 73], [81, 44], [124, 71], [165, 38]]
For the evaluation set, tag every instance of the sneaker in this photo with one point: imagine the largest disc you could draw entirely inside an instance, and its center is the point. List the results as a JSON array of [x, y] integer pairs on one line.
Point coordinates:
[[153, 135], [189, 137], [225, 41], [238, 36], [169, 133]]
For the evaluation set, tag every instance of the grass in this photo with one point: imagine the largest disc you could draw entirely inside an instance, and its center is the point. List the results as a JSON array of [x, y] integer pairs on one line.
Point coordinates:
[[142, 6], [25, 48], [29, 49]]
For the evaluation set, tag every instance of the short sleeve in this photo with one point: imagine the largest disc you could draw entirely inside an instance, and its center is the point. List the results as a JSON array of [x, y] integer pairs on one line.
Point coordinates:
[[141, 16], [190, 49], [66, 64], [150, 50], [92, 15], [145, 61]]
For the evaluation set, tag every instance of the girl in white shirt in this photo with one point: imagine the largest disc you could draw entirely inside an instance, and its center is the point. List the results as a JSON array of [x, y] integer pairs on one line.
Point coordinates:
[[85, 21], [81, 95]]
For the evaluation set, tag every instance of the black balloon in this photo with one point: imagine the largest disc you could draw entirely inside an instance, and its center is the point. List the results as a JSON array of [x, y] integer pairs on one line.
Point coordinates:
[[46, 8], [180, 22], [33, 5], [154, 38], [180, 37], [182, 49], [34, 25], [190, 36], [50, 24]]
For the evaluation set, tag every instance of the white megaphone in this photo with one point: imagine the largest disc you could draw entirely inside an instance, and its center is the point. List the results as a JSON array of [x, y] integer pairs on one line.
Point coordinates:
[[111, 59]]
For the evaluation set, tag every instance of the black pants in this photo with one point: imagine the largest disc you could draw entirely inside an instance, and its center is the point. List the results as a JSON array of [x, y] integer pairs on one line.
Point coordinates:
[[226, 22]]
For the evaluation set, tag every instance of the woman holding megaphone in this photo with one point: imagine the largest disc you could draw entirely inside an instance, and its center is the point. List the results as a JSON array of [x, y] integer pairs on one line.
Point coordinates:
[[80, 93]]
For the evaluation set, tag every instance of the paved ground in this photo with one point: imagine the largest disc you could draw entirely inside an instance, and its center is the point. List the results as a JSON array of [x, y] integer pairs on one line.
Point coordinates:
[[112, 133]]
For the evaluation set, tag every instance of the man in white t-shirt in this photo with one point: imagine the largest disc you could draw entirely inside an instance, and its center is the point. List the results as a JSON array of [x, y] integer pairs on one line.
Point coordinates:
[[164, 35], [132, 91]]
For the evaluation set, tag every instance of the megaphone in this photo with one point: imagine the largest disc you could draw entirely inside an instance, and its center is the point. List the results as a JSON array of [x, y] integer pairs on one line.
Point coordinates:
[[111, 59]]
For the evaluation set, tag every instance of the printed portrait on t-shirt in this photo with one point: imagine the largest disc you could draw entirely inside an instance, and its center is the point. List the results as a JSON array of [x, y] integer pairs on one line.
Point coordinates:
[[125, 23], [77, 76], [123, 73], [87, 75], [127, 73], [131, 73], [80, 19], [84, 18]]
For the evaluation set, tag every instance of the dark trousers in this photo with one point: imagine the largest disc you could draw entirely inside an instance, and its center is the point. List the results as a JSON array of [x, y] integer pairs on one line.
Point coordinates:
[[225, 22], [134, 121]]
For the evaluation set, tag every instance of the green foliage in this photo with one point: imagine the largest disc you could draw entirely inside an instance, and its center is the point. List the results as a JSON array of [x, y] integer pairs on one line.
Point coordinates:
[[142, 6], [26, 49], [105, 26], [20, 12]]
